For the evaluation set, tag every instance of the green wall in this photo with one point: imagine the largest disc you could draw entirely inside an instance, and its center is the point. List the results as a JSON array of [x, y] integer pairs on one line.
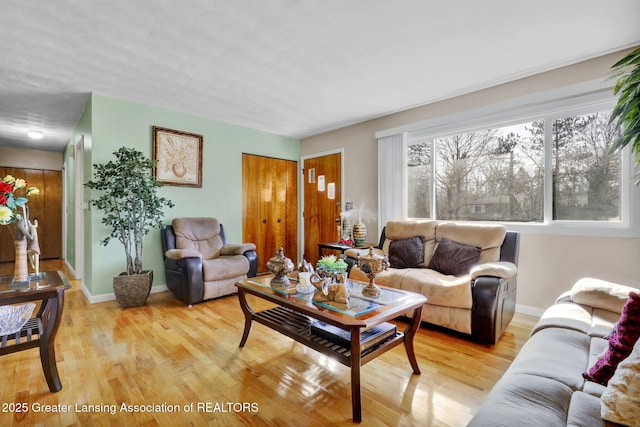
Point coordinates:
[[116, 123]]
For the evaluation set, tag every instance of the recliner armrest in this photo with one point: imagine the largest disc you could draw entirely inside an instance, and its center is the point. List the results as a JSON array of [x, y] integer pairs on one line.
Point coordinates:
[[502, 269], [493, 307], [601, 294], [237, 249], [182, 253], [184, 278]]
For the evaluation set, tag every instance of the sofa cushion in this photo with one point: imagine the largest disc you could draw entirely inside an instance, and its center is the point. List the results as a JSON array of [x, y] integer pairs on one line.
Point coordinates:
[[225, 267], [396, 230], [601, 294], [593, 322], [554, 353], [621, 342], [621, 399], [440, 289], [407, 253], [584, 410], [488, 237], [454, 258], [525, 401]]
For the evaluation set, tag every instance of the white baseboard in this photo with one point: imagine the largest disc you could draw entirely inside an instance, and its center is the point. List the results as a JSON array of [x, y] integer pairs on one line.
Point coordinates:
[[95, 299], [70, 268], [528, 310]]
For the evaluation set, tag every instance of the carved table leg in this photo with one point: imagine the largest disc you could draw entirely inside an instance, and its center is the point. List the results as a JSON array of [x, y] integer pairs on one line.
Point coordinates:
[[409, 333], [248, 316], [356, 351], [51, 317]]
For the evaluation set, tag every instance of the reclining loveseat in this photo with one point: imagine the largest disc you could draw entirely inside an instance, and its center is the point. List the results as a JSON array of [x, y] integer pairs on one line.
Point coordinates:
[[467, 271]]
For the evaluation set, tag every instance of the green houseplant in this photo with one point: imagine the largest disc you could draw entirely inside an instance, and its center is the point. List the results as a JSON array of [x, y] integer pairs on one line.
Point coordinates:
[[333, 267], [626, 112], [131, 207], [332, 264]]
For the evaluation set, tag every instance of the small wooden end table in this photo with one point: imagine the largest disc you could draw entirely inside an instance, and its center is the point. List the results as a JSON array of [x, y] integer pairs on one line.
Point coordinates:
[[39, 331], [295, 313], [337, 246]]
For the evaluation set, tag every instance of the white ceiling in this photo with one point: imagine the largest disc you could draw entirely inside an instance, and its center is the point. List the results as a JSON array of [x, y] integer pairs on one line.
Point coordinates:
[[291, 67]]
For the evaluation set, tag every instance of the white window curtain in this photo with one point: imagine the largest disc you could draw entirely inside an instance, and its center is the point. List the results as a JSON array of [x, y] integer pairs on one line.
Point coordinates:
[[392, 201]]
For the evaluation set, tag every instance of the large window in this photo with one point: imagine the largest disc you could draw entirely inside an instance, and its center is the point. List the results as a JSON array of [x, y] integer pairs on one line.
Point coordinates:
[[497, 174], [586, 177]]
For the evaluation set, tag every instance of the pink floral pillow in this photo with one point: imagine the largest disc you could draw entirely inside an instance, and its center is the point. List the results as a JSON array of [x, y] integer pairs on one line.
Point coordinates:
[[621, 342]]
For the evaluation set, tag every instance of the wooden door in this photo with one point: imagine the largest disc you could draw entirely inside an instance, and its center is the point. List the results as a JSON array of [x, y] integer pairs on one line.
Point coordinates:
[[46, 207], [322, 202], [269, 206]]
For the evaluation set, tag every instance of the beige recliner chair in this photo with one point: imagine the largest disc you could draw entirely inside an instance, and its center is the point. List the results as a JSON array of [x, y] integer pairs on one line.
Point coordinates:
[[199, 263]]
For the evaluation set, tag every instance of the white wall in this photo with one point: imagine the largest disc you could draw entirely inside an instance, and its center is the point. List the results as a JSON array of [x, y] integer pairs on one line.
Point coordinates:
[[30, 159], [549, 264]]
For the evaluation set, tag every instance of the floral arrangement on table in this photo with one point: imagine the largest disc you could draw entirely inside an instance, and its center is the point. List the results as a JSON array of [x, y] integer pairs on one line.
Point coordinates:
[[13, 210], [11, 201], [332, 264]]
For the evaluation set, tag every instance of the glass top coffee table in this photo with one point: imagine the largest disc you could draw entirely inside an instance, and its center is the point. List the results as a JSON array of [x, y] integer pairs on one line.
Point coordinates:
[[314, 324], [39, 331]]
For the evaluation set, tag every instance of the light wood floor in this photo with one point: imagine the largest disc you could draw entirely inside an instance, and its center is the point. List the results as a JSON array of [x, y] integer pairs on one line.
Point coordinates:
[[167, 354]]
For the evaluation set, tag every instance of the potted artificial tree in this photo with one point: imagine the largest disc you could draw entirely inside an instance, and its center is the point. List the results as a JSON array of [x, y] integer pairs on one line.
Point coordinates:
[[131, 207], [626, 112]]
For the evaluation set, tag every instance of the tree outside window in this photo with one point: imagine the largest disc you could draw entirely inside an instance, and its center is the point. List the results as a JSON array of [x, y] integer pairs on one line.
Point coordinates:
[[498, 174]]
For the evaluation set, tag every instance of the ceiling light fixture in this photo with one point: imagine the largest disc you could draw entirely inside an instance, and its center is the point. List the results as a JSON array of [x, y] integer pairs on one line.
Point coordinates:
[[35, 134]]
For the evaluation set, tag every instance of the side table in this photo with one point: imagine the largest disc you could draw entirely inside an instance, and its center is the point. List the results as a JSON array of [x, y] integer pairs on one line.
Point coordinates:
[[39, 331], [336, 246]]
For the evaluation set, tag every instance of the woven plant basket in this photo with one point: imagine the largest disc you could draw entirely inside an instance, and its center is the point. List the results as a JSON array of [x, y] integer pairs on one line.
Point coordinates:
[[132, 290]]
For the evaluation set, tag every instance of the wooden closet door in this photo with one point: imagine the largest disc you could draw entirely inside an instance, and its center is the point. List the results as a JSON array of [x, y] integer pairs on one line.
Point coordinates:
[[269, 209], [46, 207]]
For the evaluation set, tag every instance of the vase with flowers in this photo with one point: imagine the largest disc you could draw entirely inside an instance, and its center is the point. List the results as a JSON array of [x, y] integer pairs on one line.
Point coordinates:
[[14, 214]]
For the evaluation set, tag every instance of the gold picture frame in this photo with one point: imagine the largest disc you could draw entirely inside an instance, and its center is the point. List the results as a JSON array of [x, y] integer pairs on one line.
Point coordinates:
[[178, 157]]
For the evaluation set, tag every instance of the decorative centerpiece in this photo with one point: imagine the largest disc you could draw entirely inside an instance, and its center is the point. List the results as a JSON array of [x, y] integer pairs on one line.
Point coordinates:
[[280, 266], [329, 291], [330, 280], [332, 267], [372, 264]]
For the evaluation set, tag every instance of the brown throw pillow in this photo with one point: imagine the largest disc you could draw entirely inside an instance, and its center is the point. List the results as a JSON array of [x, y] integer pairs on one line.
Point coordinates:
[[454, 258], [407, 253]]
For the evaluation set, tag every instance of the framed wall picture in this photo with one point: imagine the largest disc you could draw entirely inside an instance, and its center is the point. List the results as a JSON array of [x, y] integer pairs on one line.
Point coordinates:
[[178, 157]]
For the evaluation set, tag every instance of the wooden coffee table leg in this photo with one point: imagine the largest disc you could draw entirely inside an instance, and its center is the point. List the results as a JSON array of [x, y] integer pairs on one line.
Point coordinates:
[[356, 399], [409, 333], [51, 317], [248, 316]]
